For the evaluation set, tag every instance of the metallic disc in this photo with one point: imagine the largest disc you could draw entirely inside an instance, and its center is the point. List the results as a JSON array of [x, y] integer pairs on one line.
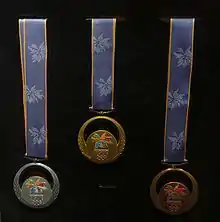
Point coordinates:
[[174, 198], [36, 191], [101, 146]]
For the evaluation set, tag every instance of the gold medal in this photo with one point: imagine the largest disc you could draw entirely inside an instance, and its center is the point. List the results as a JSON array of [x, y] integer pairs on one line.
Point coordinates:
[[105, 141], [101, 146]]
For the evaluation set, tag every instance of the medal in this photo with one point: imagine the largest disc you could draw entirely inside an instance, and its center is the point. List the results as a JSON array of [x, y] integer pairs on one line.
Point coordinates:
[[174, 190], [35, 184], [105, 144]]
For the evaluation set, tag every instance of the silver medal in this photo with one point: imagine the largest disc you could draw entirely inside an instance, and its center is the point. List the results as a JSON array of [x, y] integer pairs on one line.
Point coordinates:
[[36, 191]]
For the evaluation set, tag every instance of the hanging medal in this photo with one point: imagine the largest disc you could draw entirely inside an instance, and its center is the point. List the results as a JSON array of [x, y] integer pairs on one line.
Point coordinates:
[[101, 139], [35, 184], [174, 190]]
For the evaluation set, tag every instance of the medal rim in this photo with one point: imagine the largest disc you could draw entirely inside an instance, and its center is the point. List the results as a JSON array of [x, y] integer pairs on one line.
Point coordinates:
[[192, 198], [120, 143], [18, 190]]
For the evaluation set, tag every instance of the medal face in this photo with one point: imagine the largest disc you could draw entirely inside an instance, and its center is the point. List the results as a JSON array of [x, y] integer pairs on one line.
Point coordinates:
[[101, 146], [36, 191], [174, 197]]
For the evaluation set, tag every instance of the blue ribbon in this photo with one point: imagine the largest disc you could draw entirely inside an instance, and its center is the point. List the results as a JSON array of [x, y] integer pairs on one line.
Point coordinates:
[[33, 48], [103, 53], [178, 89]]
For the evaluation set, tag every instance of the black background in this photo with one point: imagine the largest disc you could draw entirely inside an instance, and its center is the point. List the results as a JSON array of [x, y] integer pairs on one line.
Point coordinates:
[[140, 85]]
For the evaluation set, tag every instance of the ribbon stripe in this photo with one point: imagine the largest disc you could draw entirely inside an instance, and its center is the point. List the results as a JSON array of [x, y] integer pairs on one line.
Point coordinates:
[[103, 53], [33, 48], [178, 89]]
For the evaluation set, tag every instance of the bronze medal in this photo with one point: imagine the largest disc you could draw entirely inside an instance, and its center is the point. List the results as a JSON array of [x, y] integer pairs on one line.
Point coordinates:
[[173, 196], [175, 191]]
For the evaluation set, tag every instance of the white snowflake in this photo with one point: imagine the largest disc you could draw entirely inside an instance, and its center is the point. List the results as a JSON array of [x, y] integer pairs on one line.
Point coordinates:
[[184, 59], [33, 94], [38, 135], [176, 99], [105, 86], [177, 141], [101, 44], [38, 53]]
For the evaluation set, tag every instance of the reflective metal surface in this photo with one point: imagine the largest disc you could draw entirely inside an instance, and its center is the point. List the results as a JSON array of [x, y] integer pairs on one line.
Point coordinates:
[[36, 191], [174, 197], [101, 146]]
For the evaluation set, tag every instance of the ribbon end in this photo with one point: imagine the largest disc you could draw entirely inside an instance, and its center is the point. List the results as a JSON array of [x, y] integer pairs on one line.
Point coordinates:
[[101, 112], [35, 159], [173, 164], [118, 18]]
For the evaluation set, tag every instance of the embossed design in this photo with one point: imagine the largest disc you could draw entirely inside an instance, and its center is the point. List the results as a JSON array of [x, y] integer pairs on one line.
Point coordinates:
[[101, 141], [38, 53], [175, 195], [36, 187], [38, 135], [33, 94], [101, 44], [36, 202], [176, 99], [184, 58], [103, 155], [105, 86], [177, 141]]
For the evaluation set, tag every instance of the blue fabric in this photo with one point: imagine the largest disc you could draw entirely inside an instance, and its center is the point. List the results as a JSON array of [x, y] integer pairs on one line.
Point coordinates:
[[103, 47], [34, 73], [179, 75]]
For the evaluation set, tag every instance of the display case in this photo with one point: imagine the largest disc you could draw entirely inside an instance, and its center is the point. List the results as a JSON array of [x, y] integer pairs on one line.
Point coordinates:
[[120, 190]]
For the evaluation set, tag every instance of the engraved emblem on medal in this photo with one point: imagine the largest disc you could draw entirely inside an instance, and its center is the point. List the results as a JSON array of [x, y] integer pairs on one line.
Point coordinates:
[[37, 189], [35, 184], [106, 144], [174, 190]]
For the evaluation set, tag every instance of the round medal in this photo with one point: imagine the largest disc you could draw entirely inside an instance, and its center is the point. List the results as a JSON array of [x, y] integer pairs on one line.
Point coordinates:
[[36, 185], [174, 196], [101, 146]]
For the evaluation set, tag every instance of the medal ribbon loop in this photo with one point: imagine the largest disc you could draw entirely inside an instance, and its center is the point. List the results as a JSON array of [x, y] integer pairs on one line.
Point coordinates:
[[178, 89], [103, 59], [33, 49]]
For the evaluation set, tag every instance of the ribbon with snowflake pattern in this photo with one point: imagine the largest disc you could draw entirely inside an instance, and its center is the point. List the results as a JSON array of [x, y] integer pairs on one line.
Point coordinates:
[[178, 89], [103, 53], [33, 49]]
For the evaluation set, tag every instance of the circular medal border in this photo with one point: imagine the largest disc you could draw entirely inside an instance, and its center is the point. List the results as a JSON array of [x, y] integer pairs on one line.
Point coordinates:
[[192, 199], [55, 189], [120, 144]]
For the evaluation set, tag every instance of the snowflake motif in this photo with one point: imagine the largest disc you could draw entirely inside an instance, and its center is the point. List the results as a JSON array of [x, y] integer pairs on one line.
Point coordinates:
[[38, 53], [33, 94], [105, 86], [38, 136], [101, 44], [183, 58], [177, 141], [176, 99]]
